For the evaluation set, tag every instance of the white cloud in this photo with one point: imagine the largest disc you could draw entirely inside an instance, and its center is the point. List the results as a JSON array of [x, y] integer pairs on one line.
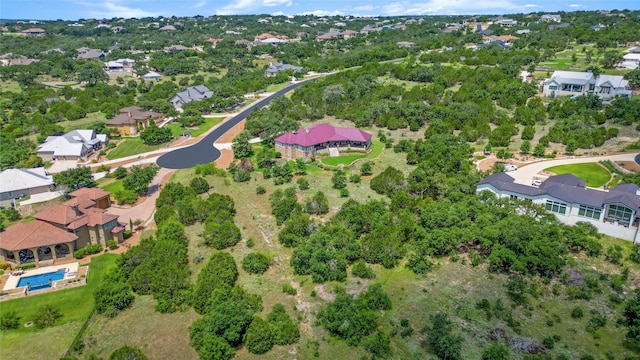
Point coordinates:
[[322, 13], [450, 7], [249, 6], [200, 4], [575, 5], [530, 6], [115, 8]]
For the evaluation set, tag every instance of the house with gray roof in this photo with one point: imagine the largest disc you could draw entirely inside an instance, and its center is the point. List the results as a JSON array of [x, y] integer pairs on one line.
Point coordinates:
[[275, 68], [90, 54], [193, 93], [73, 145], [615, 212], [18, 183], [572, 83]]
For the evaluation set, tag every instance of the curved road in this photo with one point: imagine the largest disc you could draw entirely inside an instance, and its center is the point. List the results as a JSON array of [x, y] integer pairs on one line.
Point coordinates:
[[203, 152]]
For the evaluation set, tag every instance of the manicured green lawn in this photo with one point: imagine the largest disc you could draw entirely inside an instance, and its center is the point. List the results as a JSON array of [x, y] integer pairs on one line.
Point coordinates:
[[276, 87], [176, 128], [130, 146], [593, 173], [376, 149], [114, 187], [75, 305]]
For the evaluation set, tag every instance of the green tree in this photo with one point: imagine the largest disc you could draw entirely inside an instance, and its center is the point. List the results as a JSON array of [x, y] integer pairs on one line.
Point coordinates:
[[388, 182], [284, 330], [9, 320], [92, 73], [220, 270], [241, 147], [72, 179], [255, 263], [139, 178], [199, 185], [339, 179], [379, 344], [215, 348], [366, 168], [631, 317], [539, 150], [47, 316], [496, 351], [113, 296], [221, 235], [440, 338], [318, 204], [259, 337], [154, 135], [120, 173], [525, 147]]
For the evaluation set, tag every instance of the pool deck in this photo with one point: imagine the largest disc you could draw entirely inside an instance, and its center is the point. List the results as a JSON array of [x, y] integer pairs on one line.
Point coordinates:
[[71, 273]]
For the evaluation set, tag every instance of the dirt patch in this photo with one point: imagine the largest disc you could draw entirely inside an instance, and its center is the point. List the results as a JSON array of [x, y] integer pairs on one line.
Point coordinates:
[[629, 165], [225, 159], [232, 133], [323, 294]]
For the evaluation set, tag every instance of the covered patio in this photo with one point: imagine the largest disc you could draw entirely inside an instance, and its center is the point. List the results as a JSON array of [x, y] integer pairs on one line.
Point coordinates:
[[35, 241]]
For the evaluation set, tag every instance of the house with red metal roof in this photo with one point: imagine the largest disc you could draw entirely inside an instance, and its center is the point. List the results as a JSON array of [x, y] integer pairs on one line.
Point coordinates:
[[309, 142]]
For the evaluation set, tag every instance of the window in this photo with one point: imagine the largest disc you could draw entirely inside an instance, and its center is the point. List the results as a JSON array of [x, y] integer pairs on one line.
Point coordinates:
[[589, 211], [512, 197], [556, 207], [619, 213], [553, 87], [605, 90]]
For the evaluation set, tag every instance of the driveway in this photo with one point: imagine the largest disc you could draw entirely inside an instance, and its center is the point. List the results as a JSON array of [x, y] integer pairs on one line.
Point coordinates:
[[144, 210], [526, 173], [204, 152]]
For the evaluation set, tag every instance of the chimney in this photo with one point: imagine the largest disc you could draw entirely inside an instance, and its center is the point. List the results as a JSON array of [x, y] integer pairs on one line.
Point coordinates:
[[76, 210]]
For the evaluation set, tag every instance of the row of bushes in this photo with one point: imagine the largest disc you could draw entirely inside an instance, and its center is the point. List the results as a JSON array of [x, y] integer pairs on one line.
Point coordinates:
[[87, 250]]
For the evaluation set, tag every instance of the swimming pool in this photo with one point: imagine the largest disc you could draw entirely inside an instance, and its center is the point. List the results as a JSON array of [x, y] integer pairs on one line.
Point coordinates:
[[41, 281]]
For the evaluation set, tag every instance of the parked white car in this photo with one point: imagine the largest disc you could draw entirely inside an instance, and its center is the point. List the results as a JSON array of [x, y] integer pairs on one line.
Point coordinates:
[[510, 167], [536, 182]]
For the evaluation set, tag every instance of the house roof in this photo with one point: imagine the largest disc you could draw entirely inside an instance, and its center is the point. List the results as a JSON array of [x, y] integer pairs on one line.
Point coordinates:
[[275, 68], [151, 74], [569, 188], [263, 36], [33, 234], [616, 81], [21, 179], [71, 143], [91, 54], [131, 114], [193, 93], [322, 133], [90, 194], [571, 77]]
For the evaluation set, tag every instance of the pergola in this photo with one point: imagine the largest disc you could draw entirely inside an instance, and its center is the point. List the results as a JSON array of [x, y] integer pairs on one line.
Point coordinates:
[[35, 241]]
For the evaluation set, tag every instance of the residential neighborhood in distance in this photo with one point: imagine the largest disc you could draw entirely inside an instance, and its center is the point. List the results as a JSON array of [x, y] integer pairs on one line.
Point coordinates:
[[306, 180]]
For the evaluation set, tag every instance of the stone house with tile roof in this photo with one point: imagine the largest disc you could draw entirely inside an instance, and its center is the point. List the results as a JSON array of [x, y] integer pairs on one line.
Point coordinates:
[[131, 120], [62, 229]]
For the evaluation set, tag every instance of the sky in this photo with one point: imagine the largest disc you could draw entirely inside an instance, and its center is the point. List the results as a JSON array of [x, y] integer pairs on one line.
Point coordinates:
[[97, 9]]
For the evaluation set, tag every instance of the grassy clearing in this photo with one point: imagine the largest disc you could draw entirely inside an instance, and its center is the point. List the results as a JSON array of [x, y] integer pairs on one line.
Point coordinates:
[[130, 146], [10, 85], [177, 128], [159, 336], [595, 174], [113, 187], [91, 118], [276, 87], [75, 305]]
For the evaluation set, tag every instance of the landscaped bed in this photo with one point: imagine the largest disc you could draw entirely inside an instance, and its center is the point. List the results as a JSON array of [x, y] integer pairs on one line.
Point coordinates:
[[595, 174], [376, 149]]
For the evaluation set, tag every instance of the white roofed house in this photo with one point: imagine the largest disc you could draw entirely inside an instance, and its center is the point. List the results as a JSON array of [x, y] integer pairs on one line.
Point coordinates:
[[152, 76], [73, 145], [18, 183], [572, 83], [615, 212]]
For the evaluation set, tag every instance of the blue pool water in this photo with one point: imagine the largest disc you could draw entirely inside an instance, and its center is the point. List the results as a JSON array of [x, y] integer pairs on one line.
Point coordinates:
[[41, 281]]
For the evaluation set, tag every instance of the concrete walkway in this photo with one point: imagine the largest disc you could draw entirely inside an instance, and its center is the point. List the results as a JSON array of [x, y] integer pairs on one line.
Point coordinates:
[[525, 174]]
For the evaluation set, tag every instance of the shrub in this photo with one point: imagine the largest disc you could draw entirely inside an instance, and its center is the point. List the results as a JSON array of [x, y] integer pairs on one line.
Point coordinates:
[[199, 185], [126, 197], [47, 316], [288, 289], [577, 312], [9, 320], [361, 270], [87, 250], [126, 234], [120, 173], [260, 190], [259, 337], [221, 235], [112, 244], [112, 297], [303, 183], [26, 266], [255, 263], [344, 192], [355, 178], [250, 243], [127, 353]]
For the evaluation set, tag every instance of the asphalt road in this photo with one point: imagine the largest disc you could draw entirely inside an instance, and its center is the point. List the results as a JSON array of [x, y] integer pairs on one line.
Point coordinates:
[[203, 152]]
